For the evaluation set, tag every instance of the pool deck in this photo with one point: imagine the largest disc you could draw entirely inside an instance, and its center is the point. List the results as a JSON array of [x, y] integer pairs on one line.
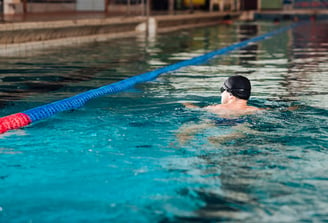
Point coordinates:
[[23, 33]]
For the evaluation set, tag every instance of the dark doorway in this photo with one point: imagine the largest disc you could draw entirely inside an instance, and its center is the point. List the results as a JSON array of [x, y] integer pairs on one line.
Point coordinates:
[[248, 4], [1, 10], [160, 5]]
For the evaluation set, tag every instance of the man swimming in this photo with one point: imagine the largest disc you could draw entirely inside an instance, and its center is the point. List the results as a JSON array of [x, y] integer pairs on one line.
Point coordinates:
[[235, 93]]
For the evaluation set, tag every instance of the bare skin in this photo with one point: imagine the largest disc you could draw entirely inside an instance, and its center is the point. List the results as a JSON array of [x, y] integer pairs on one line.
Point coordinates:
[[230, 107]]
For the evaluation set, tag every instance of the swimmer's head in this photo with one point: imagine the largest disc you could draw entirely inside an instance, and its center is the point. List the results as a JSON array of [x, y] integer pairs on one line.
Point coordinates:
[[238, 86]]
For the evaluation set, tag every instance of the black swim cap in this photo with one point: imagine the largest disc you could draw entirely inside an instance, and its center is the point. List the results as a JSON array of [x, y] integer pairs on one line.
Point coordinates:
[[238, 86]]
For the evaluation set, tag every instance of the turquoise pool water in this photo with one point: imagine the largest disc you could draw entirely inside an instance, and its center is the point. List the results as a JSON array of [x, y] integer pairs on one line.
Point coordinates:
[[118, 158]]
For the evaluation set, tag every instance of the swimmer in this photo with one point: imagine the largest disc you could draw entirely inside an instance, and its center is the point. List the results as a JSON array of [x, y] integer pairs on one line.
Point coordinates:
[[235, 92]]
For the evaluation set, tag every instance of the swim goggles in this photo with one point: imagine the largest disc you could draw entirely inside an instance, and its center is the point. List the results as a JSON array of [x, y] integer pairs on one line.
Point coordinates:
[[222, 89], [225, 88]]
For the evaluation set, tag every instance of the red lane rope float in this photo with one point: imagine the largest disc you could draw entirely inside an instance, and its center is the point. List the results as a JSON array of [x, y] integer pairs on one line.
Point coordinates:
[[14, 121]]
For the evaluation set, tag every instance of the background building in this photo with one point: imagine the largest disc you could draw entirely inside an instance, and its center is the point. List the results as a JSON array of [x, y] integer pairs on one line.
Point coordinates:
[[137, 7]]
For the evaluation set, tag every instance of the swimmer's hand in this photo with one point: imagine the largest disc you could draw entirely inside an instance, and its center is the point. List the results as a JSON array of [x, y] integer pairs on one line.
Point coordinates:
[[190, 105], [293, 108]]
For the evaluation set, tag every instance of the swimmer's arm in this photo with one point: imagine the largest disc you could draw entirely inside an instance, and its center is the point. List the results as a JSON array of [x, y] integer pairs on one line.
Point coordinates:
[[290, 108], [293, 108], [190, 105]]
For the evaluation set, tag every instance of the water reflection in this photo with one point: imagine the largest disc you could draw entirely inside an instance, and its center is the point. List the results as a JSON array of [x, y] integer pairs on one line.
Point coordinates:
[[17, 84], [248, 53], [68, 71], [307, 73]]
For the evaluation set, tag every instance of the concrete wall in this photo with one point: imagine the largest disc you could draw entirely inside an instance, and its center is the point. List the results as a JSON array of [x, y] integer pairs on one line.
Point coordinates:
[[137, 9], [26, 36], [13, 7], [50, 7]]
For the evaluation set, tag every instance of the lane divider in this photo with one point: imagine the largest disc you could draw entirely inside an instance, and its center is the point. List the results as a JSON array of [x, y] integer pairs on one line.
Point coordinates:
[[19, 120]]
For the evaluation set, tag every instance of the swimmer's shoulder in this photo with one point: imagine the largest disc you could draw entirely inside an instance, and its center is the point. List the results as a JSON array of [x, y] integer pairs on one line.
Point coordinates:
[[214, 107], [225, 111]]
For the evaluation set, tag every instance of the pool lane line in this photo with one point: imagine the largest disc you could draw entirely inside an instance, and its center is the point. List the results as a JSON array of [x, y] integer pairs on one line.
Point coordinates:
[[19, 120]]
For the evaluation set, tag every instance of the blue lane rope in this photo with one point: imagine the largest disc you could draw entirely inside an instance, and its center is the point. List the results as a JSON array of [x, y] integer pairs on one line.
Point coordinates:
[[77, 101]]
